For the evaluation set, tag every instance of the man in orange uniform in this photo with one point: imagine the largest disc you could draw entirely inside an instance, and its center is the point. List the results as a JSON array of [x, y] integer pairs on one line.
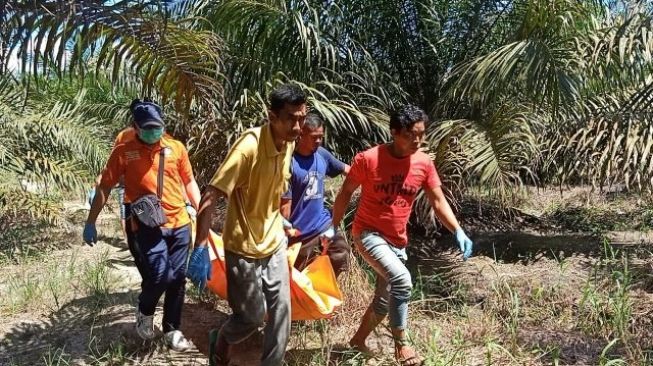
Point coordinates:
[[160, 252], [125, 135]]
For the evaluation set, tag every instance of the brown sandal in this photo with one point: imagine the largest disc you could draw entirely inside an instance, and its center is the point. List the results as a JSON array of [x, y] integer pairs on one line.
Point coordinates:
[[409, 358]]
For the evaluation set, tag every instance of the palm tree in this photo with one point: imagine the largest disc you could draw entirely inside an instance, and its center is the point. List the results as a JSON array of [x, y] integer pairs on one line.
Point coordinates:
[[136, 41], [608, 131], [565, 66], [504, 80], [50, 147]]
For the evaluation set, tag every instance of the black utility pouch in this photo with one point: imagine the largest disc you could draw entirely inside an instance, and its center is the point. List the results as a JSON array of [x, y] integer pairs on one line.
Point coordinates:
[[147, 209]]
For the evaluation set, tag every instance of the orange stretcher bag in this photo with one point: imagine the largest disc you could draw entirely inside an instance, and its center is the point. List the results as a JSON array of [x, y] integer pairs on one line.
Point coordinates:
[[314, 292]]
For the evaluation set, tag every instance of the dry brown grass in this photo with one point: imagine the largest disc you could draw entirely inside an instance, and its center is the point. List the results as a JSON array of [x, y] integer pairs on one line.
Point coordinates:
[[545, 310]]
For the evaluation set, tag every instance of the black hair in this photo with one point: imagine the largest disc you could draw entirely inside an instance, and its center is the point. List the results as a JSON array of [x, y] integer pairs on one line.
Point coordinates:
[[406, 116], [286, 94], [313, 121]]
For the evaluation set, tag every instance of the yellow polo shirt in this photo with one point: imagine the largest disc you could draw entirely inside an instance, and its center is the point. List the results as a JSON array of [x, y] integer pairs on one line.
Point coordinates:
[[254, 175]]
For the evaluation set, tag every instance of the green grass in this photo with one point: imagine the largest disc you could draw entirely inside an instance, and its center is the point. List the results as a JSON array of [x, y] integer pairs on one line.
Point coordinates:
[[476, 312], [23, 242], [601, 214], [97, 280], [597, 306], [115, 353], [55, 281], [456, 333], [56, 357]]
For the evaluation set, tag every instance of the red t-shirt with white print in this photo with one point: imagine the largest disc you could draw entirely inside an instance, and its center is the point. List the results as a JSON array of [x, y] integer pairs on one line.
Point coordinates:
[[388, 189]]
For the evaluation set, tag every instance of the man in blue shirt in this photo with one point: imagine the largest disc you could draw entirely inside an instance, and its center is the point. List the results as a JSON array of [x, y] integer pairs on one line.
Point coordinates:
[[303, 204]]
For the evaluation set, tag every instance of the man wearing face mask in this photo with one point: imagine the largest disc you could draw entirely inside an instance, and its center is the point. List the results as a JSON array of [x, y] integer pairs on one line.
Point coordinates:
[[253, 177], [125, 135], [159, 250]]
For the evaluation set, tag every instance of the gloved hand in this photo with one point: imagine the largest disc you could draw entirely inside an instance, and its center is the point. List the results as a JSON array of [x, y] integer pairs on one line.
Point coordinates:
[[191, 211], [91, 196], [289, 230], [89, 234], [199, 267], [464, 243]]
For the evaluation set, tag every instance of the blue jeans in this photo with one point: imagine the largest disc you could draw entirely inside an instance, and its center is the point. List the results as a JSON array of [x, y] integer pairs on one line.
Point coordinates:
[[161, 260], [393, 282]]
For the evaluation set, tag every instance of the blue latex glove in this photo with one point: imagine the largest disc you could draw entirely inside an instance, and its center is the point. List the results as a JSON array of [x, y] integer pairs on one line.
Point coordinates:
[[286, 224], [192, 212], [199, 267], [89, 234], [464, 243], [91, 196]]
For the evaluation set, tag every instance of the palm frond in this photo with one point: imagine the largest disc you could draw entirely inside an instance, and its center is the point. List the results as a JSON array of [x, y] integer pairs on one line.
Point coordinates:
[[545, 72], [272, 36], [497, 152], [604, 147], [617, 54], [19, 202], [180, 63], [47, 149]]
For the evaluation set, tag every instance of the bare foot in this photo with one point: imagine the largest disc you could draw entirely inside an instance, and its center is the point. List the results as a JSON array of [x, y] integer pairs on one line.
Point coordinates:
[[406, 356], [360, 347]]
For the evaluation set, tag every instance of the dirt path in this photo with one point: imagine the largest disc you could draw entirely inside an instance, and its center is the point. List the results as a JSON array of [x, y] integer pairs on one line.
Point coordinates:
[[89, 326], [90, 319], [75, 306]]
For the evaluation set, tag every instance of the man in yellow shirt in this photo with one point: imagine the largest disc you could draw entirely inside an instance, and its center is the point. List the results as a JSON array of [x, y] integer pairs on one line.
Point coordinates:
[[253, 177]]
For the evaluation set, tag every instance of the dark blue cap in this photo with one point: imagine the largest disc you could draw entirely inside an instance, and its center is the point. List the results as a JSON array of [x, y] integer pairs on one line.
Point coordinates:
[[147, 115]]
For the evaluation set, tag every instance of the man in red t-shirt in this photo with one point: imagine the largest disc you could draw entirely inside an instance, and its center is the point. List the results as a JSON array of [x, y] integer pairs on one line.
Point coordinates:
[[390, 175]]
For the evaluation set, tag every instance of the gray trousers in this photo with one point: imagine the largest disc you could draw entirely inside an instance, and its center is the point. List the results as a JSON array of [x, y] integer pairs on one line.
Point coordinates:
[[256, 287]]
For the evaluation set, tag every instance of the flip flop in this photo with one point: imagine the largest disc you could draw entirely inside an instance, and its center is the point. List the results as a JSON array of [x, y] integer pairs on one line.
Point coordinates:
[[412, 360], [216, 359]]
